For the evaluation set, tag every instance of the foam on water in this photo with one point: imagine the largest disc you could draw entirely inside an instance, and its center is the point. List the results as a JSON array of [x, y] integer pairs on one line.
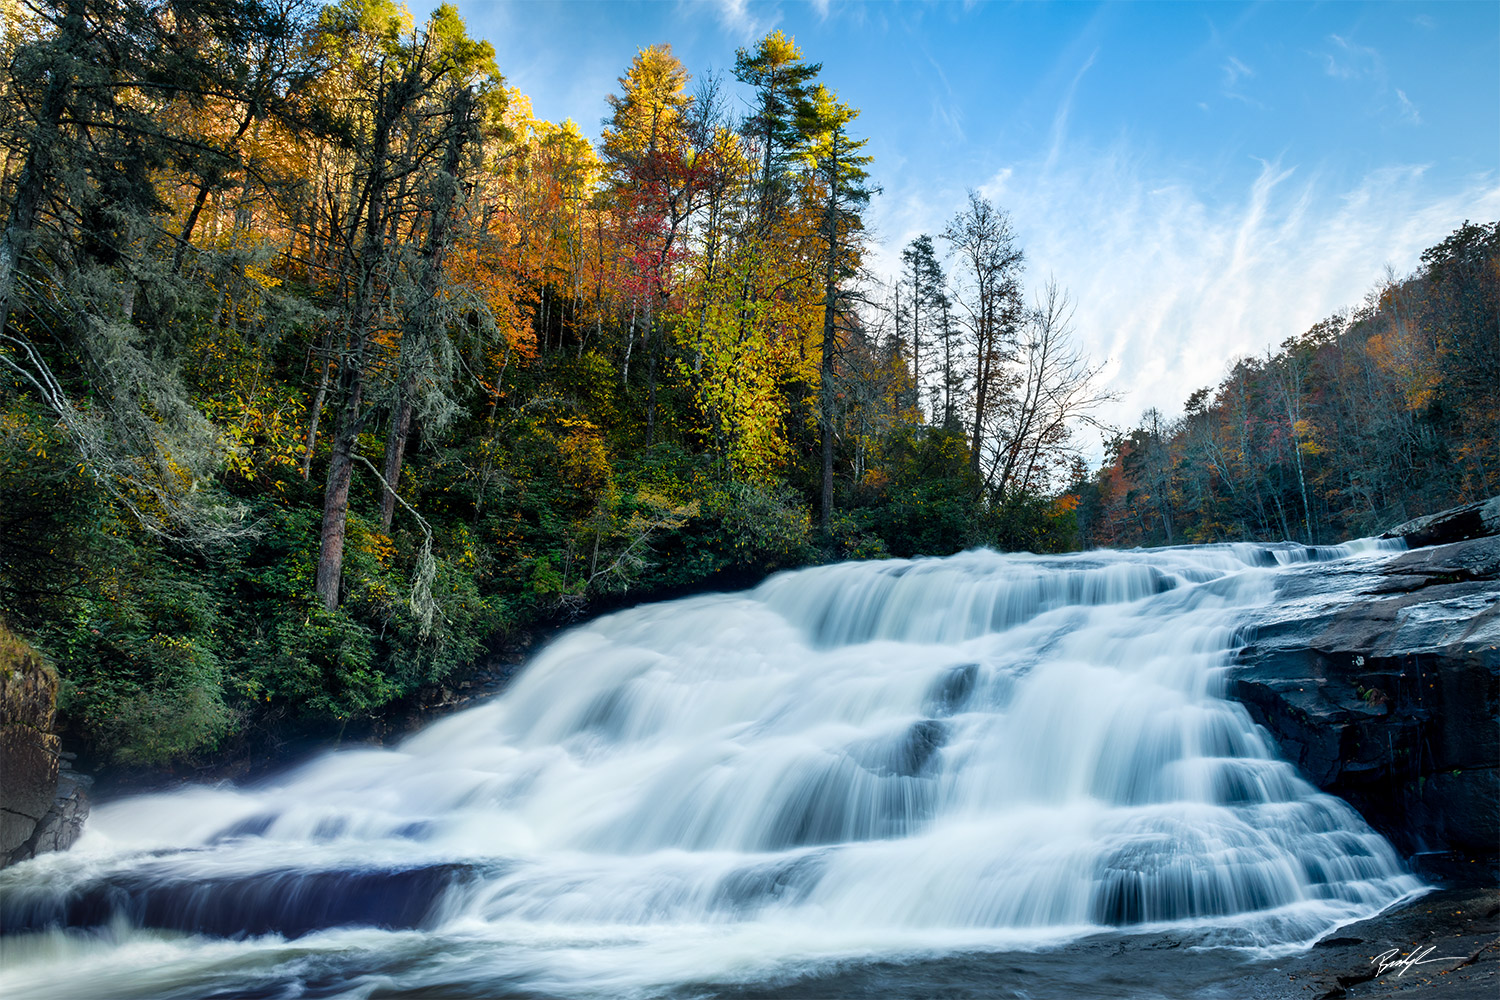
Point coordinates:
[[867, 759]]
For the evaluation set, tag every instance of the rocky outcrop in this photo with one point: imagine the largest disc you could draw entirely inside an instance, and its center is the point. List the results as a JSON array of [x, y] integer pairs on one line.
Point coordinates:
[[42, 803], [1392, 701], [1474, 520]]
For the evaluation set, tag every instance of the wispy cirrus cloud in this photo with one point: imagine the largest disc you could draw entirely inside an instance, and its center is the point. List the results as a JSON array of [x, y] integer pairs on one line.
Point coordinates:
[[1348, 60], [1173, 284], [947, 109], [1059, 131], [1235, 71], [1407, 109], [746, 20]]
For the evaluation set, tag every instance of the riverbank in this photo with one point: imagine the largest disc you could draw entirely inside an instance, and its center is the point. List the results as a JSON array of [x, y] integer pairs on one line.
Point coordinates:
[[1451, 936], [274, 745]]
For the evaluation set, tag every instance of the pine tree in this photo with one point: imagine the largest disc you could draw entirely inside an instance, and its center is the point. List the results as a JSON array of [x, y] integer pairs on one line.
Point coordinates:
[[839, 167], [923, 276], [782, 82]]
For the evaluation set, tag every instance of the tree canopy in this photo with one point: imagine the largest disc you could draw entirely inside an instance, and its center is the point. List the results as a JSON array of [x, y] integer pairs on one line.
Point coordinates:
[[325, 365]]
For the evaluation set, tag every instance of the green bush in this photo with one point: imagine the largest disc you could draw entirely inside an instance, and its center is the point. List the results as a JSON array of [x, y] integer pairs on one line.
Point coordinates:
[[921, 498]]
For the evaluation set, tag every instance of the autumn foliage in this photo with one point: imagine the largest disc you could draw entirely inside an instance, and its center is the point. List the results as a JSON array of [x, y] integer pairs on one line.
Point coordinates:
[[325, 365]]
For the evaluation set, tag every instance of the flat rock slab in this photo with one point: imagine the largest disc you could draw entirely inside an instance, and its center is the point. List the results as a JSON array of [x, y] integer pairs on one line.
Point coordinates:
[[1448, 942], [1460, 925]]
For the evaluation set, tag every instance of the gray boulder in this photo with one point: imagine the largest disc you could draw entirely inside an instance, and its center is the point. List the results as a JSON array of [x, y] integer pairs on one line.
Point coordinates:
[[42, 804], [1474, 520], [1392, 702]]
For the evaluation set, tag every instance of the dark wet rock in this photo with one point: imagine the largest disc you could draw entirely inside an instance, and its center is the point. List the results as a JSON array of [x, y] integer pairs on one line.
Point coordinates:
[[62, 824], [252, 826], [1448, 937], [290, 902], [1458, 925], [1474, 520], [951, 692], [42, 804], [916, 752], [782, 881], [1392, 702]]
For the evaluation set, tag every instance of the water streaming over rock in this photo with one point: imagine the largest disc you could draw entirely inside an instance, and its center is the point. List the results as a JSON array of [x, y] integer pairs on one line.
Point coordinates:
[[868, 760]]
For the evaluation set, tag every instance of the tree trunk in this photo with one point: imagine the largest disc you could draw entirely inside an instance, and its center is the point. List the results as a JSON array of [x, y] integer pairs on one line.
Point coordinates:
[[629, 344], [947, 370], [421, 329], [317, 406], [336, 502], [184, 240], [830, 292], [981, 393], [650, 346], [361, 321], [395, 449]]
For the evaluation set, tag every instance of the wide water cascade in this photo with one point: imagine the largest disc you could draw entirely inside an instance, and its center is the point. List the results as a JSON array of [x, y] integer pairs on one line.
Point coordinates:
[[857, 762]]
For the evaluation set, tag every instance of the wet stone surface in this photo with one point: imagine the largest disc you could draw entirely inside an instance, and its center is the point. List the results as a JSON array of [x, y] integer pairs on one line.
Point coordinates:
[[1453, 934]]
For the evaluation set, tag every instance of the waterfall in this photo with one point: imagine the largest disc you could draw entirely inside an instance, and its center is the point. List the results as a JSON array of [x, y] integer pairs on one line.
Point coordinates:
[[866, 760]]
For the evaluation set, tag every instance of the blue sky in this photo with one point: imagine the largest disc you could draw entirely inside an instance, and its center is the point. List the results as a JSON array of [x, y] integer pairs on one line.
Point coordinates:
[[1205, 179]]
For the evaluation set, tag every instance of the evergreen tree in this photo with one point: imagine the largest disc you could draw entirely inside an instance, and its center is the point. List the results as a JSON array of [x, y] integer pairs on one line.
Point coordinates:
[[839, 167], [926, 301], [782, 82]]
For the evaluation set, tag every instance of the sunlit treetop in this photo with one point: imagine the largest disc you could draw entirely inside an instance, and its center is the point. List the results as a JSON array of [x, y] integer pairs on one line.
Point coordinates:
[[648, 112]]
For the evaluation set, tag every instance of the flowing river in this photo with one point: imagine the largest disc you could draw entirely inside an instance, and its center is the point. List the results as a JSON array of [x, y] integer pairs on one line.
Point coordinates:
[[889, 765]]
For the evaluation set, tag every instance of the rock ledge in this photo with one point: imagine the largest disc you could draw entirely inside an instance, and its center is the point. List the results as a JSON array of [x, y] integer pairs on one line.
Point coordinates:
[[1392, 702]]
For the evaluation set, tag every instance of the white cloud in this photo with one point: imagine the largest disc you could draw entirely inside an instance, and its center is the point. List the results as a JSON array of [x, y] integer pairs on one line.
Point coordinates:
[[740, 17], [946, 108], [1171, 286], [1059, 132], [951, 119], [1352, 61], [1174, 282], [1234, 71], [1408, 110]]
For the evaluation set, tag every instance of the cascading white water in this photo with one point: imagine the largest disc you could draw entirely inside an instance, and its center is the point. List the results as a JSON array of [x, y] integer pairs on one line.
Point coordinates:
[[869, 759]]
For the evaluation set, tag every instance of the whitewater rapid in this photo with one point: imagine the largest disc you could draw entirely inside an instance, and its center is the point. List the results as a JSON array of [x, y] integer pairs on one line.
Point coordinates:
[[867, 760]]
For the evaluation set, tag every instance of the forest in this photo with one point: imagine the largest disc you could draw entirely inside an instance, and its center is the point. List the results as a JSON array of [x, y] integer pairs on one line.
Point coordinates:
[[325, 364], [1380, 413]]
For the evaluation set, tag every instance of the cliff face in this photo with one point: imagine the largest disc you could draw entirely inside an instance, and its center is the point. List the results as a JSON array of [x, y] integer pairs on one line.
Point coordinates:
[[42, 805], [1393, 702]]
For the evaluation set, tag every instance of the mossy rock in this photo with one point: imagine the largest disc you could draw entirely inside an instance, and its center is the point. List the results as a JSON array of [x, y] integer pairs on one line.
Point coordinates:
[[28, 747]]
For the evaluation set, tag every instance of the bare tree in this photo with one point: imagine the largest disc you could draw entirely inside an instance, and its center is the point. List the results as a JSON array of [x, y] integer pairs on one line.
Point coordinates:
[[1287, 378], [1055, 386], [988, 281]]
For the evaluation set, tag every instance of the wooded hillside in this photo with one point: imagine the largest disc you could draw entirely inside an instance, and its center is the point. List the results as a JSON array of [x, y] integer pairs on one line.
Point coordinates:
[[1381, 413], [324, 362]]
